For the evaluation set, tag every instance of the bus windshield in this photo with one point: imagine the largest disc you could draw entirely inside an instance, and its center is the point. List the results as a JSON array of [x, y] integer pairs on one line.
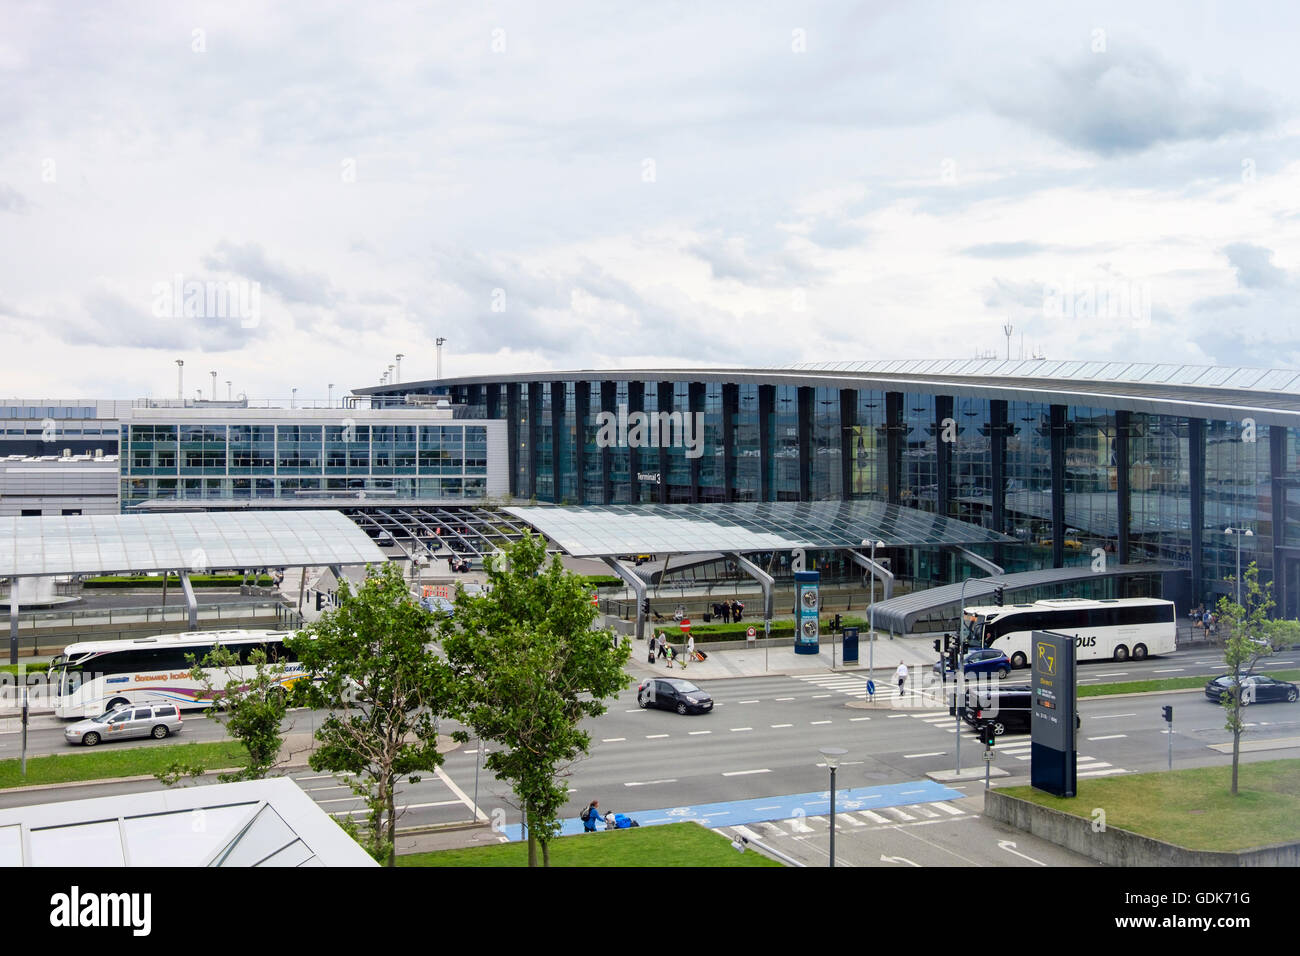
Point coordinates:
[[973, 635]]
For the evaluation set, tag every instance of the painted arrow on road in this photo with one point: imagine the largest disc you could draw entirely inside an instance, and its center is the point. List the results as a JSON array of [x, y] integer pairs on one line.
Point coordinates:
[[1010, 847], [897, 859]]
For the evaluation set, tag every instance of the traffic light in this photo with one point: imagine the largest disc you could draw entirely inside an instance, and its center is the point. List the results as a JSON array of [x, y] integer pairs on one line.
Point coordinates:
[[645, 606], [835, 625], [1168, 714], [947, 642], [936, 645], [987, 737], [999, 593]]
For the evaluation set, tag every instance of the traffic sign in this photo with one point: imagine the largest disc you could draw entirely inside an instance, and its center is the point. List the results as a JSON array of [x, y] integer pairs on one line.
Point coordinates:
[[595, 599], [686, 625], [750, 633]]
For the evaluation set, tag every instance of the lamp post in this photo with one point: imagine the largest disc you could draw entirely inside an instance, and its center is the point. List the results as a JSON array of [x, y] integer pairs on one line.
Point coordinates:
[[293, 398], [832, 757], [871, 614], [1239, 532]]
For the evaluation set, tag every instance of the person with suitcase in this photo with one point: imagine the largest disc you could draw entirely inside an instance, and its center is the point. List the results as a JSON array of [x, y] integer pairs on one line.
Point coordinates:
[[654, 644]]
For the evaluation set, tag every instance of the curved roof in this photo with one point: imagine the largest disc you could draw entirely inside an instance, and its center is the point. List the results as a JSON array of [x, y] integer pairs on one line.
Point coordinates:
[[1270, 396]]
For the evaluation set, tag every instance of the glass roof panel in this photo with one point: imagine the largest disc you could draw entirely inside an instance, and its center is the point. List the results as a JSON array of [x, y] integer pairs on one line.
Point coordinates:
[[1277, 379]]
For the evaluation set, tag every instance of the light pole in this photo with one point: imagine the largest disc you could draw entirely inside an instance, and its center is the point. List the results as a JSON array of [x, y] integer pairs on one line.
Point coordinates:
[[329, 401], [293, 398], [180, 380], [1239, 532], [959, 671], [438, 342], [832, 757]]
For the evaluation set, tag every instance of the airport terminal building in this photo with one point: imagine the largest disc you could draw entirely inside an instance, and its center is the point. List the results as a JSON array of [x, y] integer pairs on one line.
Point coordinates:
[[1141, 463]]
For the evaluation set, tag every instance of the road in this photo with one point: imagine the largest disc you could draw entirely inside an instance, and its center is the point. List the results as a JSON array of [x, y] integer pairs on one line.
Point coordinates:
[[762, 740]]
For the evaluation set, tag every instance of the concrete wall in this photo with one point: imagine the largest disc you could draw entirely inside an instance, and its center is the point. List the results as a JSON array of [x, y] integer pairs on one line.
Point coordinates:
[[1116, 847]]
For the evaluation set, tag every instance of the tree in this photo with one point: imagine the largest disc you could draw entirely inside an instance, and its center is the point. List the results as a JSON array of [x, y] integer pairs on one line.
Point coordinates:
[[251, 710], [370, 667], [532, 669], [1248, 635]]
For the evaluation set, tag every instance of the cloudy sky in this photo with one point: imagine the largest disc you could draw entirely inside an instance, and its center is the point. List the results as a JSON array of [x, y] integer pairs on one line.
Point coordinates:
[[590, 185]]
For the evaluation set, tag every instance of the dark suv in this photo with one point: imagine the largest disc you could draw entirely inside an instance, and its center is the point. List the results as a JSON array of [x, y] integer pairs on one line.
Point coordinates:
[[1007, 708]]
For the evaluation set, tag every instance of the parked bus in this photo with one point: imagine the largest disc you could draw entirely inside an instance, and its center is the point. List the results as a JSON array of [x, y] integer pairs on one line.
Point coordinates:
[[1114, 629], [97, 676]]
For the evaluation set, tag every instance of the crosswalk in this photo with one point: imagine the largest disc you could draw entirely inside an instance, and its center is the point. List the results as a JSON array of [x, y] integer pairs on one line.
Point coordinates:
[[801, 826], [1017, 746], [855, 685]]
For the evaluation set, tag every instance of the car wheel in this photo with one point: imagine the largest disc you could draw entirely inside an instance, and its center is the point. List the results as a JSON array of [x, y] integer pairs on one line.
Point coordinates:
[[1003, 672], [117, 702], [999, 728], [1292, 695], [643, 701], [1139, 652], [90, 739], [1121, 654], [681, 708], [1019, 660], [160, 732]]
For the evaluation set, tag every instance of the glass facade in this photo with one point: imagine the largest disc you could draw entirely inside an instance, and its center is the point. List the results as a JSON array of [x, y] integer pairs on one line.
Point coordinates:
[[241, 461]]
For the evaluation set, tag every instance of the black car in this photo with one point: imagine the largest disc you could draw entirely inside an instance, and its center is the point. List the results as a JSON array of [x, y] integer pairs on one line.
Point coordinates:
[[1255, 689], [1006, 708], [985, 660], [670, 693]]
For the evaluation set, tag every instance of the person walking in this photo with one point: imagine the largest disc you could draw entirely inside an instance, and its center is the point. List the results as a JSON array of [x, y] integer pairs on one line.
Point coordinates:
[[663, 646], [590, 816], [654, 643], [901, 676], [690, 648]]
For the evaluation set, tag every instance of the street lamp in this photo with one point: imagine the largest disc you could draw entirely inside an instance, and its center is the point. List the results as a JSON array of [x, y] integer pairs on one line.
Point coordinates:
[[871, 650], [832, 757], [1239, 532]]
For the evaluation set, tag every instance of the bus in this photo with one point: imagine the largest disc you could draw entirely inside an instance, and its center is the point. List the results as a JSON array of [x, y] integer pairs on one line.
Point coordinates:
[[1114, 629], [98, 676]]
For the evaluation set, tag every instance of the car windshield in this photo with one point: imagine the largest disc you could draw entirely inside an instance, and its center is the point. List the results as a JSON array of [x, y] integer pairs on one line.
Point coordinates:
[[101, 718]]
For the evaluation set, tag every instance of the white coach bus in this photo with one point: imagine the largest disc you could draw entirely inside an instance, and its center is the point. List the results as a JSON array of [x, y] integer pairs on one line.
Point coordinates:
[[95, 677], [1115, 629]]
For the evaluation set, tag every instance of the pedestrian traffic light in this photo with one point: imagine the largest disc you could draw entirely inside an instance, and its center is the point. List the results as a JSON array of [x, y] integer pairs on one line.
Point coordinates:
[[999, 593], [1168, 714], [936, 645], [987, 737]]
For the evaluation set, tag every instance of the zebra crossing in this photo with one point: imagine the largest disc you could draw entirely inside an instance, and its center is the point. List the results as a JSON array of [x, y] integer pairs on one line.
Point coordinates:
[[800, 826], [1018, 746], [855, 685]]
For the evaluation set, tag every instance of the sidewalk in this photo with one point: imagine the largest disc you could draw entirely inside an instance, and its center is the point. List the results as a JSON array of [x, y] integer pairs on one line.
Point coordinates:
[[742, 661]]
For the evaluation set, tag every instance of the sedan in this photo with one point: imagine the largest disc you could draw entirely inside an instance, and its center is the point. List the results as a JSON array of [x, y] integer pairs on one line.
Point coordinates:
[[1255, 689], [983, 661], [670, 693]]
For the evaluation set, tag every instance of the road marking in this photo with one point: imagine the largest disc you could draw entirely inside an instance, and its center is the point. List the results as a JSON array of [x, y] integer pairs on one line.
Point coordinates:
[[775, 806], [1168, 670], [340, 786], [898, 859], [1101, 773], [925, 811], [613, 740], [1108, 737], [1113, 674], [746, 702], [937, 753], [850, 819], [816, 722], [898, 813], [855, 719], [1108, 716], [783, 698], [654, 736], [319, 776], [464, 798], [908, 793], [892, 716], [777, 726], [736, 730], [696, 733], [816, 696], [648, 783], [949, 809], [875, 817], [1010, 847], [350, 799], [639, 710]]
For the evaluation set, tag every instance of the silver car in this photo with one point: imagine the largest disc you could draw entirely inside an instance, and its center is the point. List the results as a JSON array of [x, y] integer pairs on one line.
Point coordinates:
[[138, 720]]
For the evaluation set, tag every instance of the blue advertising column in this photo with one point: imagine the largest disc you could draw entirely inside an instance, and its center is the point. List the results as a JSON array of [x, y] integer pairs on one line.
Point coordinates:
[[808, 605]]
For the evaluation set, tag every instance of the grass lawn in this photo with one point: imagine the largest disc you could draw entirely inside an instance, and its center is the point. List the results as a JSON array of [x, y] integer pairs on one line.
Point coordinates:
[[1194, 808], [107, 761], [672, 844], [1169, 683]]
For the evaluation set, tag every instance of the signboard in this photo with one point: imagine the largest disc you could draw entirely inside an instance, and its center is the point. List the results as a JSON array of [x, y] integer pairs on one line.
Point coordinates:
[[750, 633], [595, 599], [1052, 709], [686, 625], [651, 476], [807, 616], [436, 590]]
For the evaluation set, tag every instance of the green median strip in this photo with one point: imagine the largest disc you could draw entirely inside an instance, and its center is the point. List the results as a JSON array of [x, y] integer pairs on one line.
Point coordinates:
[[1168, 683], [672, 844], [1192, 808], [113, 760]]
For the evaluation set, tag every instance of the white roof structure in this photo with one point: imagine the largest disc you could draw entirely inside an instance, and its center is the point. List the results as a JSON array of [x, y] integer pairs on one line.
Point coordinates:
[[256, 823]]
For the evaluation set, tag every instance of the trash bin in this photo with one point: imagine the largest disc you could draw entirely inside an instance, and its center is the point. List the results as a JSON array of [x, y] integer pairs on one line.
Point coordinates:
[[850, 647], [707, 618]]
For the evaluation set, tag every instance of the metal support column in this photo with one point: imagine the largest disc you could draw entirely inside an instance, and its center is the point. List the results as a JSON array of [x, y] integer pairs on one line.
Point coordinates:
[[581, 420], [666, 399], [848, 422], [766, 425], [765, 581], [943, 415], [730, 411], [513, 439], [807, 451], [191, 602], [998, 470], [876, 570], [979, 561], [13, 620], [894, 434], [1196, 489], [608, 403], [638, 587]]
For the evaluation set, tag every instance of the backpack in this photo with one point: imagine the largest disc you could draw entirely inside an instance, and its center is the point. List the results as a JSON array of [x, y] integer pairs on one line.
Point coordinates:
[[585, 815]]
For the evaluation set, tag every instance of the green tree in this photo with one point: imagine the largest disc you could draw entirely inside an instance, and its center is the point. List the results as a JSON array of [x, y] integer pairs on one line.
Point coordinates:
[[1248, 635], [532, 669], [370, 666]]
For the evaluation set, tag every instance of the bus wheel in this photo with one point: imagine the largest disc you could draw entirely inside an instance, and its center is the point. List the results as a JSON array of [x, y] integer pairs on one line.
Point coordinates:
[[1018, 660], [1139, 652], [1121, 654], [117, 702]]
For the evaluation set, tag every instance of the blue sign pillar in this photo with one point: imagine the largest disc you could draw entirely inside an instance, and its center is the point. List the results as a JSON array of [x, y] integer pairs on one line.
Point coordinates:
[[808, 605]]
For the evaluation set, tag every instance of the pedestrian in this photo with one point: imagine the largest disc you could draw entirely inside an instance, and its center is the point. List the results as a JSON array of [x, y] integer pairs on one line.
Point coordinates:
[[663, 646], [901, 676], [725, 609], [690, 648], [672, 656], [590, 816], [654, 643], [736, 611]]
